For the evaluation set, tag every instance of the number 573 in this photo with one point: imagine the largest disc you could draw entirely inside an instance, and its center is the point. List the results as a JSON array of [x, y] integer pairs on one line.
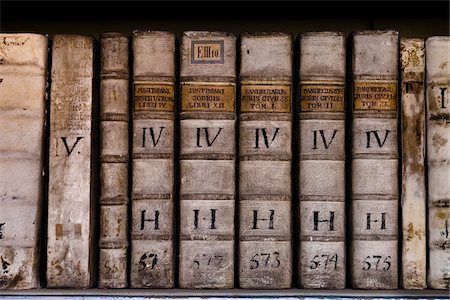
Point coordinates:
[[265, 260]]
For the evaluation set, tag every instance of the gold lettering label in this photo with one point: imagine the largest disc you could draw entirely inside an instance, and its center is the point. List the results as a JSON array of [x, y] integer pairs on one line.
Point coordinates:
[[322, 96], [153, 96], [213, 97], [267, 97], [375, 95]]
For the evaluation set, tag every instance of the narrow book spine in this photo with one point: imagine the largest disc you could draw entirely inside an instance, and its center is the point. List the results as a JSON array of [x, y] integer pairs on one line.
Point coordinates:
[[69, 201], [374, 241], [23, 83], [265, 152], [207, 160], [438, 158], [114, 161], [322, 160], [152, 248], [413, 202]]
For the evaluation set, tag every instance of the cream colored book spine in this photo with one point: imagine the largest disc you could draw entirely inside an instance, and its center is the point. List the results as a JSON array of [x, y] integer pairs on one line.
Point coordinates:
[[23, 84], [152, 246], [265, 161], [374, 191], [438, 159], [207, 159], [114, 161], [70, 232], [413, 201], [322, 160]]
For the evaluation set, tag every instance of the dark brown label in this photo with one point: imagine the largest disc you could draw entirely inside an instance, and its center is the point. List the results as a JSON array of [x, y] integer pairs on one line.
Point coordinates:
[[207, 52], [153, 97], [438, 98], [217, 97], [71, 230], [267, 97], [375, 95], [322, 97]]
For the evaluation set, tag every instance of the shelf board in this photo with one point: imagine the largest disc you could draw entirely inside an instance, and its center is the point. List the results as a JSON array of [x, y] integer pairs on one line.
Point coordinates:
[[232, 293]]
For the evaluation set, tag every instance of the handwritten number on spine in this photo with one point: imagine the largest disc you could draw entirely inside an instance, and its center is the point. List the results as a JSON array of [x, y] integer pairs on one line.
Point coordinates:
[[265, 260], [208, 261], [148, 260], [109, 268], [324, 261], [373, 262]]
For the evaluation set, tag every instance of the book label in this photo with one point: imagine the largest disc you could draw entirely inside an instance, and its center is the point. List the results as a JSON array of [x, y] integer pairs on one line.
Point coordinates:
[[439, 95], [211, 97], [322, 97], [375, 95], [266, 97], [153, 96], [207, 52]]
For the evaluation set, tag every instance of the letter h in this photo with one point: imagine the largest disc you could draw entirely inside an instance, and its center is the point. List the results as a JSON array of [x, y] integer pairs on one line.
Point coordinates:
[[369, 221], [270, 219], [317, 220], [156, 219]]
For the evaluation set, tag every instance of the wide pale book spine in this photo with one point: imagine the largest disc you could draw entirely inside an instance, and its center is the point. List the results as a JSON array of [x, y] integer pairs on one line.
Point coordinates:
[[413, 201], [113, 242], [23, 83], [322, 160], [438, 159], [207, 159], [152, 246], [70, 231], [265, 161], [374, 191]]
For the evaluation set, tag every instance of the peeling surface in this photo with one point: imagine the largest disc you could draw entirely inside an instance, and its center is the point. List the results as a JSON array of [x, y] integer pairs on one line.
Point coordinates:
[[114, 146], [438, 126], [23, 68], [69, 249], [443, 215], [439, 141], [412, 232]]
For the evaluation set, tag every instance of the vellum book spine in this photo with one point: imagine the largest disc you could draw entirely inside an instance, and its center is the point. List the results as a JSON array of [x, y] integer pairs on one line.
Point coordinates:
[[265, 161], [413, 200], [70, 232], [438, 159], [322, 160], [23, 83], [152, 246], [114, 161], [207, 159], [374, 192]]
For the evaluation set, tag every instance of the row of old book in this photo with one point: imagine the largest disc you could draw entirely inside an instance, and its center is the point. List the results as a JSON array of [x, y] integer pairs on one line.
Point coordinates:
[[217, 188]]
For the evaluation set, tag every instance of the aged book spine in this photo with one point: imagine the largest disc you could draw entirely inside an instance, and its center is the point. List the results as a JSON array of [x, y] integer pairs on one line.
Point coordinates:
[[265, 153], [322, 160], [152, 247], [207, 159], [374, 164], [413, 201], [70, 231], [23, 83], [438, 159], [114, 161]]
